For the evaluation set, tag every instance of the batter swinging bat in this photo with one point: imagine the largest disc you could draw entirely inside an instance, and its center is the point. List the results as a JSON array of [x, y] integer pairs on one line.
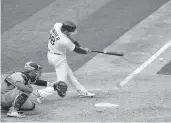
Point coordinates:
[[109, 53]]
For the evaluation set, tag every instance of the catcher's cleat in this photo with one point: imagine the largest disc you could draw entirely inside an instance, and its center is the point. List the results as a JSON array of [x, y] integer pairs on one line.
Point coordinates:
[[15, 114], [86, 94]]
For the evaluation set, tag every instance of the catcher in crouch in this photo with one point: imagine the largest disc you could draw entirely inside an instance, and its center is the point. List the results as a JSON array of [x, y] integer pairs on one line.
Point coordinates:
[[16, 89]]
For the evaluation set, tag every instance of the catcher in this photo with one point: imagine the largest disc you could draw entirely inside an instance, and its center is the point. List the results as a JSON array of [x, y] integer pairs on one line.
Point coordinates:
[[16, 89]]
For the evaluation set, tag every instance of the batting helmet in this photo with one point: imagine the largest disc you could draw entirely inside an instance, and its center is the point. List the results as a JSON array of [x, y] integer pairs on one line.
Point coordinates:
[[69, 26]]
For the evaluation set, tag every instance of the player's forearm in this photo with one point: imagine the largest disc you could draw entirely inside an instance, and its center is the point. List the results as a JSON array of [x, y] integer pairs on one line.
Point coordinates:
[[80, 50], [23, 87], [74, 40], [77, 44], [41, 83]]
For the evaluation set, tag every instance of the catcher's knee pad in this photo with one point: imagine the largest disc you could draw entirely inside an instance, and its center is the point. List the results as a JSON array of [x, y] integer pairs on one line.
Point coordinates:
[[30, 108], [33, 107], [20, 100]]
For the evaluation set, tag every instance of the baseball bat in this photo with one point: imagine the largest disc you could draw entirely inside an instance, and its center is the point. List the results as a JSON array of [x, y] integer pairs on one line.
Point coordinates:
[[109, 53]]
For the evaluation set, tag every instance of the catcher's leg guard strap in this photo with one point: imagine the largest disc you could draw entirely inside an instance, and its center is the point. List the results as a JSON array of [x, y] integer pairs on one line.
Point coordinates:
[[20, 100], [34, 106]]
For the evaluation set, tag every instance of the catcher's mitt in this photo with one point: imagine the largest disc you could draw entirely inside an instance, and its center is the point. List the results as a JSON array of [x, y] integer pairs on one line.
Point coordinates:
[[61, 87]]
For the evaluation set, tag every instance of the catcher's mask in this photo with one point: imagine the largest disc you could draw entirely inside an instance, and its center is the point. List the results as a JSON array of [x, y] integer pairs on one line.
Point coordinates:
[[61, 87], [34, 69]]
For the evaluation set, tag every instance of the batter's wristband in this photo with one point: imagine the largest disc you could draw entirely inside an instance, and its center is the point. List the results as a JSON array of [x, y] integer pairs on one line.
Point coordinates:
[[77, 44], [80, 50]]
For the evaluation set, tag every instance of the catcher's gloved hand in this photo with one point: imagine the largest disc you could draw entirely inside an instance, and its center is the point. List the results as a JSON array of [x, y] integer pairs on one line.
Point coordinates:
[[61, 87]]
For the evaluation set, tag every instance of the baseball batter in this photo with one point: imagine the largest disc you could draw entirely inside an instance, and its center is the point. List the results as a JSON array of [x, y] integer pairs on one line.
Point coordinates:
[[61, 40]]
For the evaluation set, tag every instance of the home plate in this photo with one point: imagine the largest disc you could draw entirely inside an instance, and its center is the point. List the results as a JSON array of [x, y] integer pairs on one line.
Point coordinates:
[[105, 104]]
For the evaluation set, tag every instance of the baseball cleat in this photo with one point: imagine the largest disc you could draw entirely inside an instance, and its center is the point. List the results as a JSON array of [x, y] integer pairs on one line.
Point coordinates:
[[15, 114], [86, 94]]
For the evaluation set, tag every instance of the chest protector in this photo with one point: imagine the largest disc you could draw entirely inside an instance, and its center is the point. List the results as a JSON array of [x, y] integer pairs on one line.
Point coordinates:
[[10, 81]]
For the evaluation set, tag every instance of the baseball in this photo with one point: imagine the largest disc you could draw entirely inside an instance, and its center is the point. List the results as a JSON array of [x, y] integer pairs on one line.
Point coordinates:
[[161, 59]]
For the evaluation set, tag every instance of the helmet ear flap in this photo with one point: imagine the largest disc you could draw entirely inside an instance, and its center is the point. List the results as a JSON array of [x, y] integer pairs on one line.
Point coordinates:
[[74, 33]]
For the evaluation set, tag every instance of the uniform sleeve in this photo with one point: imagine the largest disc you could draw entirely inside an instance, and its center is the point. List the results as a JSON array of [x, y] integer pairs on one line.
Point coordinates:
[[70, 45]]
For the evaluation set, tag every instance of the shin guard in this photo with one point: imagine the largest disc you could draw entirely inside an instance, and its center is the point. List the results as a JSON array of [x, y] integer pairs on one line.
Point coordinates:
[[20, 100]]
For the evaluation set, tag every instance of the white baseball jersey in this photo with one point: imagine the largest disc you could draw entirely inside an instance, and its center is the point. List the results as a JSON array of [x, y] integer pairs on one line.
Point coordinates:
[[59, 42]]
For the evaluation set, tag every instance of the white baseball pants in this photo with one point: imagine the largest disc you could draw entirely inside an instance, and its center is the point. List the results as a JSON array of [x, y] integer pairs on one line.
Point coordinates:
[[63, 71]]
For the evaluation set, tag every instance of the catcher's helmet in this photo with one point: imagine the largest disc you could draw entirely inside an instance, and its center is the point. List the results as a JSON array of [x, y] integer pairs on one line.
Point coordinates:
[[31, 66], [34, 69], [69, 26]]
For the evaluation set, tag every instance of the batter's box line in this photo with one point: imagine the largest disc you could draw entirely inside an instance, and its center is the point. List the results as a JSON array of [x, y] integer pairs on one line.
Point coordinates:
[[97, 89], [92, 89]]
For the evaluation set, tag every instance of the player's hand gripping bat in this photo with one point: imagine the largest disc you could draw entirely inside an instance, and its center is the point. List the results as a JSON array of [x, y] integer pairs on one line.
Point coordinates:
[[108, 53]]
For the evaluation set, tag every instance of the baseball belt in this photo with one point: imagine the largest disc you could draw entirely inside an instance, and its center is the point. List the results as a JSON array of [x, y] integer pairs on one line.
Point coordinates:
[[53, 52]]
